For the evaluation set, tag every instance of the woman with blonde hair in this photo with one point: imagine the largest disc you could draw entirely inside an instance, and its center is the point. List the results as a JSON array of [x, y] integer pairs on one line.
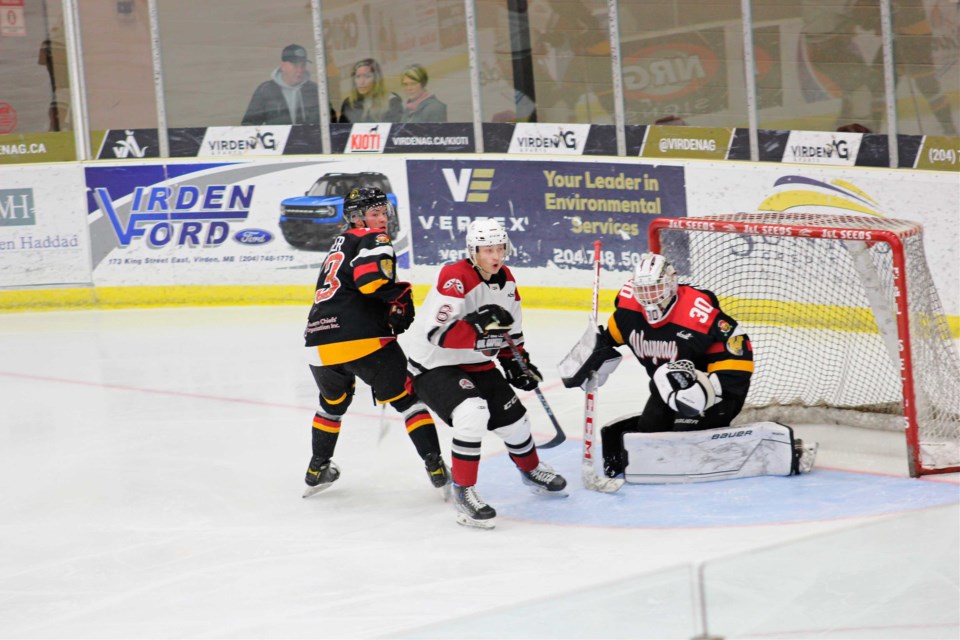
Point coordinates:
[[369, 100], [421, 105]]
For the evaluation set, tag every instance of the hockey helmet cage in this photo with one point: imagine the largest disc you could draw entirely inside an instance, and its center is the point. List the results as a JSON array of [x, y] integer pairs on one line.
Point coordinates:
[[654, 286], [360, 199], [486, 232]]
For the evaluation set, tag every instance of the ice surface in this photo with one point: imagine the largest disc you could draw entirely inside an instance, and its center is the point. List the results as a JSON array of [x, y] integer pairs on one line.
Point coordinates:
[[152, 464]]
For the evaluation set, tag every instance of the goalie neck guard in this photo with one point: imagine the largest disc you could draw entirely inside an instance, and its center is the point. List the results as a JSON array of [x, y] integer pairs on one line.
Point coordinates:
[[486, 232], [655, 286]]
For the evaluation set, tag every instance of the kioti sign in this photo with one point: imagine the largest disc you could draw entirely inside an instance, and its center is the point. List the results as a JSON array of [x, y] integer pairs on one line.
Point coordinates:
[[8, 117]]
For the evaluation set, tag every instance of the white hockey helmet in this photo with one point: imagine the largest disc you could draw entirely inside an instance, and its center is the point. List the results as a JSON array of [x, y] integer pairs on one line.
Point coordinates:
[[486, 232], [655, 286]]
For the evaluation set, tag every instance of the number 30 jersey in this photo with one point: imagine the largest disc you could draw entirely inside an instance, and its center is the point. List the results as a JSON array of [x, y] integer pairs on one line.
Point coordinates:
[[357, 282], [696, 329]]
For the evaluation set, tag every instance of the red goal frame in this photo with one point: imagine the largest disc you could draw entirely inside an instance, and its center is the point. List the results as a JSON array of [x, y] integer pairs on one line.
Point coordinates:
[[871, 236]]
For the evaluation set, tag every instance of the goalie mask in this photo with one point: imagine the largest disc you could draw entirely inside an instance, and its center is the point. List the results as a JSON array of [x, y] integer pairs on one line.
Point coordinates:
[[486, 232], [655, 286], [359, 200]]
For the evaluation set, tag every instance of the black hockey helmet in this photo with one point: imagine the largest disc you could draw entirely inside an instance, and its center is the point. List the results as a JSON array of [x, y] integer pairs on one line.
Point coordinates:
[[360, 199]]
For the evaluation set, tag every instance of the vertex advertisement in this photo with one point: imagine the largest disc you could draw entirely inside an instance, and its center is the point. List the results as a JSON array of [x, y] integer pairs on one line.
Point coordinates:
[[552, 210], [224, 223]]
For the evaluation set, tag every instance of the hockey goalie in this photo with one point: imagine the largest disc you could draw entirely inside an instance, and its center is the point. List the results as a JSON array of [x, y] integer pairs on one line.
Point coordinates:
[[700, 362]]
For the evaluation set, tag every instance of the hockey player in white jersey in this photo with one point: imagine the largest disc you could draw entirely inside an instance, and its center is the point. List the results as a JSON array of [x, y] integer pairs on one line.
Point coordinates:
[[453, 350]]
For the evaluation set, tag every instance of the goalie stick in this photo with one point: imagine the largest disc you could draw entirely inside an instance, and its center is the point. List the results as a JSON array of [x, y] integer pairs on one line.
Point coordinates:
[[561, 436], [588, 472]]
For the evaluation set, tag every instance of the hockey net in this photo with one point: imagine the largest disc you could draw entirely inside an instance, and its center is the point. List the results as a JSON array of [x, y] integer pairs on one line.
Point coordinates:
[[844, 318]]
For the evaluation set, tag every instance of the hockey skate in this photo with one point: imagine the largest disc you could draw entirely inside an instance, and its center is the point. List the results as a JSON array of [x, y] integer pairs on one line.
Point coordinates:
[[544, 481], [803, 456], [439, 474], [472, 511], [320, 475]]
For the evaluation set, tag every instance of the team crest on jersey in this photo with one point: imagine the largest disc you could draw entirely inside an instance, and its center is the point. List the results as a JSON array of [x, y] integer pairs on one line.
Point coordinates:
[[466, 384], [386, 268], [724, 327], [735, 345], [453, 283], [382, 238]]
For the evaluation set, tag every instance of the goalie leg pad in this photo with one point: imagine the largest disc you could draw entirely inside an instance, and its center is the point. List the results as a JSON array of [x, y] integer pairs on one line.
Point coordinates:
[[744, 451]]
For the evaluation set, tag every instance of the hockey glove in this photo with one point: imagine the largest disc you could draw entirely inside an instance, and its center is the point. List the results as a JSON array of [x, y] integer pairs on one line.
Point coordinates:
[[684, 388], [490, 322], [402, 311], [515, 374], [595, 353]]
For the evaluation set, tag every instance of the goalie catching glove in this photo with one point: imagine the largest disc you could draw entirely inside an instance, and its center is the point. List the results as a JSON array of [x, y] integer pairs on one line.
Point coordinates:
[[514, 372], [490, 322], [401, 313], [685, 389]]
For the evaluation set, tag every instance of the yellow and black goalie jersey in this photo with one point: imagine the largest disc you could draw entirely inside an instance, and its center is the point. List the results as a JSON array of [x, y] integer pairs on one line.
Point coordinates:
[[695, 329], [357, 283]]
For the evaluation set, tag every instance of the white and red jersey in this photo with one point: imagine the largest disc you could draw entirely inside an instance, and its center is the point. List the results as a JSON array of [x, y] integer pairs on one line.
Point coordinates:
[[440, 337]]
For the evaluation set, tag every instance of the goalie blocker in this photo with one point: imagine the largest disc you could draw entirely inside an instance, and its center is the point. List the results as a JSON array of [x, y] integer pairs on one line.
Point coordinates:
[[744, 451]]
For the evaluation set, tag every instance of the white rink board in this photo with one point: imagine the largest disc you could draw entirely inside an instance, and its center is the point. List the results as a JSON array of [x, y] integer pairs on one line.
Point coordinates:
[[43, 234], [929, 197]]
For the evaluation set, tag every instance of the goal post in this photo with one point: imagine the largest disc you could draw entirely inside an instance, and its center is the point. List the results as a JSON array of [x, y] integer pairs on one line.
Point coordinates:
[[845, 320]]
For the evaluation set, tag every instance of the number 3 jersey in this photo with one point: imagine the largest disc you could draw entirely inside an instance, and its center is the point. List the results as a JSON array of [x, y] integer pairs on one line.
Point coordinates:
[[348, 319], [441, 337], [696, 330]]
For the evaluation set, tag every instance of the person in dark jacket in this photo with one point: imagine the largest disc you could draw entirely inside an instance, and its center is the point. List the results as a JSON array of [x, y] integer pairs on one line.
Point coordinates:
[[420, 105], [289, 96]]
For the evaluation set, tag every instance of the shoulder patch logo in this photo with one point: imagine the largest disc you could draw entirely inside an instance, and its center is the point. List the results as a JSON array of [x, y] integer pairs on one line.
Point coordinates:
[[735, 345], [383, 238], [386, 268], [724, 326], [453, 283]]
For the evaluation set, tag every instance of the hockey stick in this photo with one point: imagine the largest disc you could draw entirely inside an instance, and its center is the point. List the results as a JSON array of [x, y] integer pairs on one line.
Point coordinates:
[[561, 436], [384, 427], [588, 472]]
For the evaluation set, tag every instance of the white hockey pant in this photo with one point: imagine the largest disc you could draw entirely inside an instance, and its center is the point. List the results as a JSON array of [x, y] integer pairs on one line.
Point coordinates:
[[470, 420]]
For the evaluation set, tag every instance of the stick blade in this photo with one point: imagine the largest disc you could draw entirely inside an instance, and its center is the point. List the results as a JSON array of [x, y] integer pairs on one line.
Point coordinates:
[[593, 482]]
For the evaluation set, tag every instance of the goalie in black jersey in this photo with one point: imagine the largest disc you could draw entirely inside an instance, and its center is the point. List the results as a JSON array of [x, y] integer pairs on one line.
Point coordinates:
[[358, 310], [700, 361]]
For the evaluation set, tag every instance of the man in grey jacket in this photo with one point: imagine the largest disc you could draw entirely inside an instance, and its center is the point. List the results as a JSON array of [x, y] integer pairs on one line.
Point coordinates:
[[289, 96]]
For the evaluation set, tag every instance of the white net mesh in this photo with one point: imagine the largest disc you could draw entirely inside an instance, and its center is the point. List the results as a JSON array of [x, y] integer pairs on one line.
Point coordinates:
[[821, 314]]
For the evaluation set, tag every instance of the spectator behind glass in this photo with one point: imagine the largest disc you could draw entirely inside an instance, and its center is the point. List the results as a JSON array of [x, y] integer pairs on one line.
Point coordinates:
[[289, 97], [420, 105], [369, 100]]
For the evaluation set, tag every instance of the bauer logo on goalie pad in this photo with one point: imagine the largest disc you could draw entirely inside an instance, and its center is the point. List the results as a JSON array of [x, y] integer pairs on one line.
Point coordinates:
[[728, 434]]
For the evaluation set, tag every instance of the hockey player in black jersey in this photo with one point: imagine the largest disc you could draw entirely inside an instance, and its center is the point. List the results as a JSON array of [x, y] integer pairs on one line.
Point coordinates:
[[700, 362], [358, 310]]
